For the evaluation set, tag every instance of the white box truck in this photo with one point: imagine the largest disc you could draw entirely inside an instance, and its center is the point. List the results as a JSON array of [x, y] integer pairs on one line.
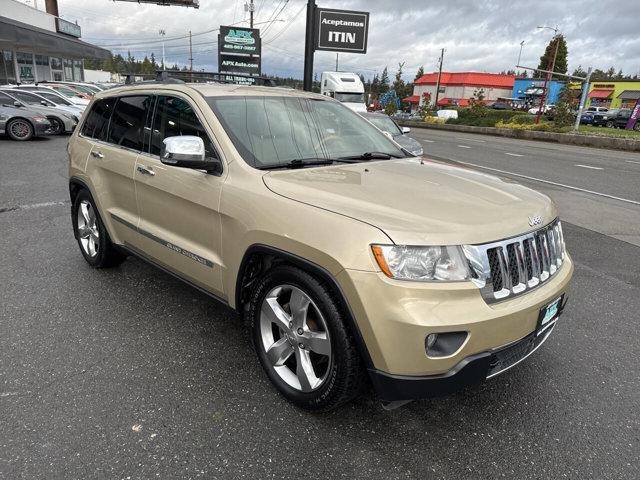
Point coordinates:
[[345, 87]]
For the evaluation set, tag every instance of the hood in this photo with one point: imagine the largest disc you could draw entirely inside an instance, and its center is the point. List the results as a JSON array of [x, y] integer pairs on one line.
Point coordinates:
[[418, 202], [408, 143]]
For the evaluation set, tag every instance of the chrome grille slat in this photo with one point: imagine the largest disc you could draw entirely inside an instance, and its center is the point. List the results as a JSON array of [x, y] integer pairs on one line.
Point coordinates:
[[516, 265]]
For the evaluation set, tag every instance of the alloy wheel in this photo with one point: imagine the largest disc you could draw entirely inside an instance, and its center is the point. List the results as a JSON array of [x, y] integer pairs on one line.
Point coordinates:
[[20, 128], [88, 233], [295, 337]]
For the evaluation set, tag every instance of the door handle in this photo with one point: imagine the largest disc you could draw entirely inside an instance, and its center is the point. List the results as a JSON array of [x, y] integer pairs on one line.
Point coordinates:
[[146, 170], [97, 154]]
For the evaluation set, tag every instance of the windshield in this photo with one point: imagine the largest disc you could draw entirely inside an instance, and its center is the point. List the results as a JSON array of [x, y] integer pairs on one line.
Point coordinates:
[[67, 92], [27, 98], [349, 97], [52, 97], [384, 123], [272, 131]]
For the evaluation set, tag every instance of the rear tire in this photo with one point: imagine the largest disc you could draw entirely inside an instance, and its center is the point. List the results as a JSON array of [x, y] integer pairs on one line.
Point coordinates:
[[609, 124], [20, 130], [299, 334], [57, 126], [91, 234]]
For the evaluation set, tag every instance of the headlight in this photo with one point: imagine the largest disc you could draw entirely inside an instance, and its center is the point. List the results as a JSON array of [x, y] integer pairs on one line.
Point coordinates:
[[404, 262], [418, 152]]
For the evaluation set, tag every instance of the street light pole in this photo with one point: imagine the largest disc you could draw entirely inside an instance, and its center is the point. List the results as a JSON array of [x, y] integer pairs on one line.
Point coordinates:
[[162, 34], [583, 99]]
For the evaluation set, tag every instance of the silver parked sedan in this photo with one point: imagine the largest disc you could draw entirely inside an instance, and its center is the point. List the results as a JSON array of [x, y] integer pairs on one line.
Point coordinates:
[[61, 120], [21, 124], [399, 135]]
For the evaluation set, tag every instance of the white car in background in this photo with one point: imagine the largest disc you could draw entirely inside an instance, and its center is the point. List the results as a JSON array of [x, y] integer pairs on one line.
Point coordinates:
[[34, 98], [546, 109], [67, 93]]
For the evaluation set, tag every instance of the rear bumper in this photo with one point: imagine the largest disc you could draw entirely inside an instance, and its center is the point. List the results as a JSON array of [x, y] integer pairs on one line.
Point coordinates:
[[471, 371]]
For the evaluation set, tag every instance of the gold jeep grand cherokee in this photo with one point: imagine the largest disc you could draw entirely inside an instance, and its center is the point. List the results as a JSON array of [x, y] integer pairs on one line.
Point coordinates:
[[352, 261]]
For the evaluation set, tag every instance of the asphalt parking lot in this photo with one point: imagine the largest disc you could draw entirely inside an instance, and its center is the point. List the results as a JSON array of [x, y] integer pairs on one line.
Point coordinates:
[[128, 373]]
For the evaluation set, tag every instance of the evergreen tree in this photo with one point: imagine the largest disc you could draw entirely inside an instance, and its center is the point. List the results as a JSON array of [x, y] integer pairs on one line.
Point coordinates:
[[154, 64], [419, 73], [398, 83], [562, 112], [383, 83], [561, 57]]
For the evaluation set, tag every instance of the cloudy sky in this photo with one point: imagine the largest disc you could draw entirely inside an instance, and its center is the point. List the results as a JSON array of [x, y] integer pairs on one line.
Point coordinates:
[[478, 35]]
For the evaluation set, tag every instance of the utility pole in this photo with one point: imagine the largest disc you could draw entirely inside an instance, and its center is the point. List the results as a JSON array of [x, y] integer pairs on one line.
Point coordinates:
[[336, 61], [439, 77], [309, 45], [251, 8], [190, 56]]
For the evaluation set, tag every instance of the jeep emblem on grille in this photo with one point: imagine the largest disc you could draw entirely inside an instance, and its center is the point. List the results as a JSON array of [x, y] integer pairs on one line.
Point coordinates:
[[535, 220]]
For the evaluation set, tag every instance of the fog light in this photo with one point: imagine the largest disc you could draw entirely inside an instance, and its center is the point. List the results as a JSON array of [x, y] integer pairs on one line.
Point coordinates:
[[444, 344], [431, 339]]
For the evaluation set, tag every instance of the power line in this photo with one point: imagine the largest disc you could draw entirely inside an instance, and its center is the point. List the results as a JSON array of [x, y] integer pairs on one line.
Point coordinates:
[[286, 27]]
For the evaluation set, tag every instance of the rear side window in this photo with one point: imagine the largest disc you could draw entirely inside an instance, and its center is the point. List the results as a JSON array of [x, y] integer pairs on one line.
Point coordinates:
[[128, 120], [6, 99], [97, 122], [175, 117]]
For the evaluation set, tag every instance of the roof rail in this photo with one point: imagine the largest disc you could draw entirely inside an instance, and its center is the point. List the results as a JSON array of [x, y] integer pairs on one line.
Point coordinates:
[[184, 76]]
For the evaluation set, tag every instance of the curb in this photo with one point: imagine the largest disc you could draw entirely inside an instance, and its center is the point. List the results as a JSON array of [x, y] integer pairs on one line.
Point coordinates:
[[625, 144]]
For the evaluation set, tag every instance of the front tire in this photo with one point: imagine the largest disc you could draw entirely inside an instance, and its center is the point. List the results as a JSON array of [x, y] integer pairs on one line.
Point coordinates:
[[57, 126], [91, 234], [299, 334], [20, 129], [609, 124]]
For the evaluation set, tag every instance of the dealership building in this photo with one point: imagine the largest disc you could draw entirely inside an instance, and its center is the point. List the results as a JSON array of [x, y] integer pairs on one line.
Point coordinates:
[[38, 45], [456, 89]]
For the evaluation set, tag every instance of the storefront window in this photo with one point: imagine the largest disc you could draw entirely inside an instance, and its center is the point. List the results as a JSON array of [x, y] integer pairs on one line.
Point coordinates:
[[43, 72], [68, 69], [56, 63], [77, 71], [7, 68], [25, 66]]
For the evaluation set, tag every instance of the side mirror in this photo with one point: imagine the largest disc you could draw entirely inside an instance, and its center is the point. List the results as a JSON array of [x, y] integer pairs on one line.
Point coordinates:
[[187, 151], [17, 104], [405, 130], [44, 103]]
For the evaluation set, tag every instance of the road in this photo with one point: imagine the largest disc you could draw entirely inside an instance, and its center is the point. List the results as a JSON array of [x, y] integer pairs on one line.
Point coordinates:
[[594, 188], [128, 373]]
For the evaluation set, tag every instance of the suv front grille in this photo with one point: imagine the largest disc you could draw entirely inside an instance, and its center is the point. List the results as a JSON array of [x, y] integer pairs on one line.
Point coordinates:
[[513, 266]]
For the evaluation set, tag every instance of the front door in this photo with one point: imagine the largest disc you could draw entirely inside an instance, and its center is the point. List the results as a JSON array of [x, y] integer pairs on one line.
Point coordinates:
[[179, 207]]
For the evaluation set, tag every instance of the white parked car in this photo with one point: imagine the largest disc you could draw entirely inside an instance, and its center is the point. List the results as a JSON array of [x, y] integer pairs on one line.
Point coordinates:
[[534, 110]]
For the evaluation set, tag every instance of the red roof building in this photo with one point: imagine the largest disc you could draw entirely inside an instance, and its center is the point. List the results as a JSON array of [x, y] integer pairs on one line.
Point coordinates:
[[457, 88]]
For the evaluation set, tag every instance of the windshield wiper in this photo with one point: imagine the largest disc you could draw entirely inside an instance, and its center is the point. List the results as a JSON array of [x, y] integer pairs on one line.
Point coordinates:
[[300, 163], [371, 156]]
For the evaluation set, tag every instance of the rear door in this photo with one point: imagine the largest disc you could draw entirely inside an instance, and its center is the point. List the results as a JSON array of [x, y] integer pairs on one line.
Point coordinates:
[[111, 163], [179, 207]]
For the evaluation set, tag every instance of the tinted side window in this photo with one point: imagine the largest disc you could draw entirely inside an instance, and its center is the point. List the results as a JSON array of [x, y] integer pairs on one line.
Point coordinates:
[[95, 126], [175, 117], [127, 122], [6, 99]]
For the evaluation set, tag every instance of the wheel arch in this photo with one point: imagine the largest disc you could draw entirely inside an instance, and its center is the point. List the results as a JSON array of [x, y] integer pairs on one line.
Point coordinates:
[[258, 258]]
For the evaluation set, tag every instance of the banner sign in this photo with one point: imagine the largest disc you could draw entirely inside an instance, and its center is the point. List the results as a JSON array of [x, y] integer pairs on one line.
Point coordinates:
[[68, 28], [239, 64], [634, 119], [239, 50], [235, 40], [341, 30]]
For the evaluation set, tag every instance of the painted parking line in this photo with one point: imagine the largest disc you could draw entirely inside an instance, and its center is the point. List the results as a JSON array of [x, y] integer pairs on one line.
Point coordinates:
[[425, 140], [549, 182], [464, 146], [513, 154], [588, 166], [471, 139]]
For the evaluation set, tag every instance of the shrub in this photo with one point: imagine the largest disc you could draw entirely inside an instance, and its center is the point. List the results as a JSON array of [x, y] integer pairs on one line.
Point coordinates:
[[488, 118], [434, 120], [523, 119]]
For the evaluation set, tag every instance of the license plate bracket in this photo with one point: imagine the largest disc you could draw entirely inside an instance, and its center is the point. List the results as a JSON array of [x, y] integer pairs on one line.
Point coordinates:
[[549, 314]]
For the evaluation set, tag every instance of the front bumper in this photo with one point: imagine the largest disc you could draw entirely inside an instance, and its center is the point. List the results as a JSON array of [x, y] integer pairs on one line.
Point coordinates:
[[470, 371], [40, 128], [395, 317]]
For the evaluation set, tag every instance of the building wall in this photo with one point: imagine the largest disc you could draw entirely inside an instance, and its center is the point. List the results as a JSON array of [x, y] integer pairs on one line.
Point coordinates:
[[26, 14], [461, 91], [613, 101], [522, 84]]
